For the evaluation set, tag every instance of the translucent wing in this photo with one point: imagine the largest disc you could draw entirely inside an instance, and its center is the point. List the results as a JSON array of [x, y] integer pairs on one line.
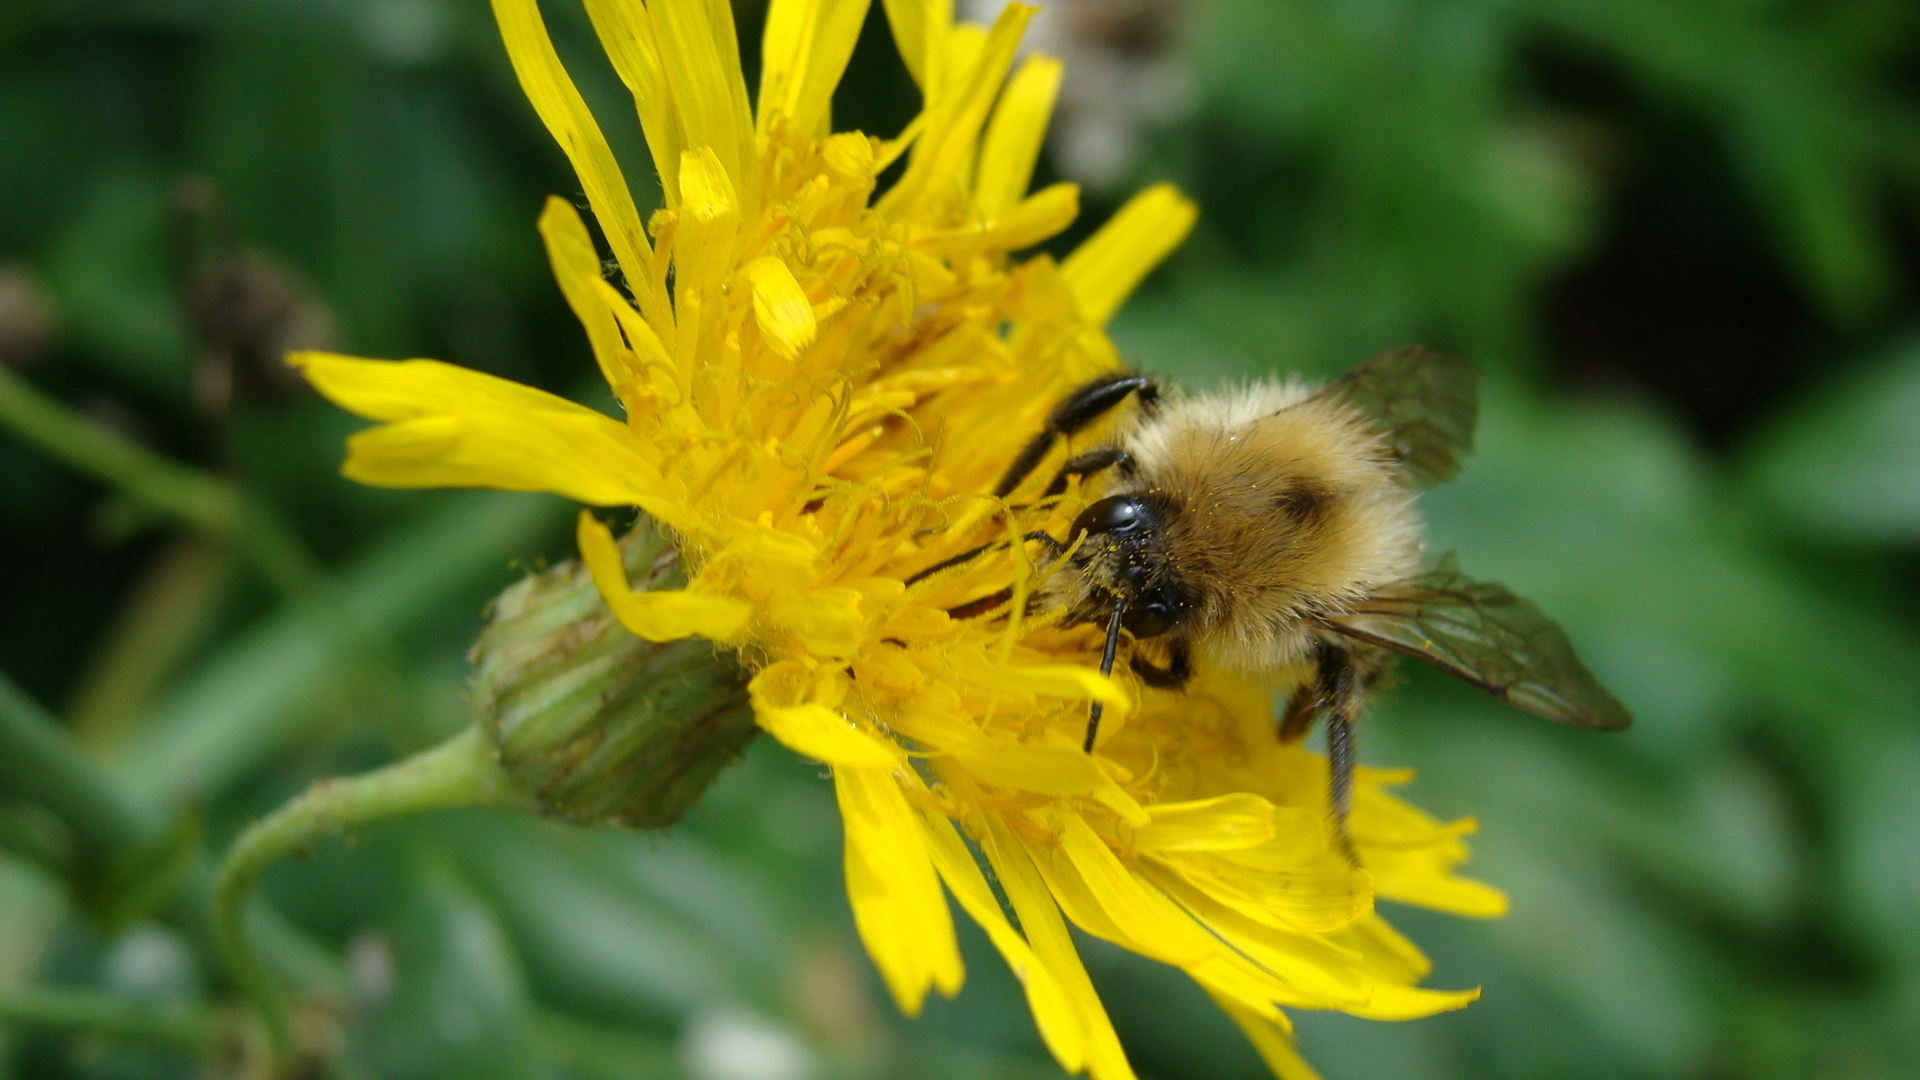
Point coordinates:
[[1426, 401], [1493, 639]]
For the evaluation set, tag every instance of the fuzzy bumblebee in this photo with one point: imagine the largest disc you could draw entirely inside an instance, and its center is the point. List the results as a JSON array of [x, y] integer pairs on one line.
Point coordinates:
[[1273, 529]]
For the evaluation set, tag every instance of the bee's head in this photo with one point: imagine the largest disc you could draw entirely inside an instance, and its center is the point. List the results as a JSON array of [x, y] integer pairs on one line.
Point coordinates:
[[1122, 551]]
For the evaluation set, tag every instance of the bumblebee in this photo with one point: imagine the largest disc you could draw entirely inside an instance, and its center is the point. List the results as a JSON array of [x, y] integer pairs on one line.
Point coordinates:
[[1273, 528]]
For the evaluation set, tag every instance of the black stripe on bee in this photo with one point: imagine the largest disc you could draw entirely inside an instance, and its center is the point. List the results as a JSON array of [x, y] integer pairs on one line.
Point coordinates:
[[1303, 502]]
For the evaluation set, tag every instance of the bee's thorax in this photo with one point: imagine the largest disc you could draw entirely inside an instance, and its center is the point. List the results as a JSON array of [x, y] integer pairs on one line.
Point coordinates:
[[1245, 516]]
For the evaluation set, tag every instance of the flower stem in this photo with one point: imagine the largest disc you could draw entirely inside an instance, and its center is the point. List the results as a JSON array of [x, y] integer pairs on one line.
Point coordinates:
[[192, 1030], [459, 772], [197, 498], [41, 762]]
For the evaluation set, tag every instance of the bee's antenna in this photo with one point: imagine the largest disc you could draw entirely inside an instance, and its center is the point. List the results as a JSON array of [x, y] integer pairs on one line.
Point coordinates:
[[1106, 668]]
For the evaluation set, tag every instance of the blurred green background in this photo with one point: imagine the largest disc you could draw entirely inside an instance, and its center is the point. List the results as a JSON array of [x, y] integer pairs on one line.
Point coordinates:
[[1679, 237]]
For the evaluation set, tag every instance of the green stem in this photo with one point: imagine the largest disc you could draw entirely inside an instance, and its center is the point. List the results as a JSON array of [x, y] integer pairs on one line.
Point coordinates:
[[42, 763], [193, 1030], [156, 480], [459, 772]]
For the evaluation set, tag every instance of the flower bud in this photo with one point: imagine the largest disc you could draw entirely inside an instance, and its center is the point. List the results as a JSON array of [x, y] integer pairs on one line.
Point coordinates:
[[602, 726]]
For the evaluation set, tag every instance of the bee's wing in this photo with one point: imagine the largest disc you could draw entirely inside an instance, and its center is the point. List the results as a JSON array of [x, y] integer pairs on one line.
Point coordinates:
[[1426, 401], [1493, 639]]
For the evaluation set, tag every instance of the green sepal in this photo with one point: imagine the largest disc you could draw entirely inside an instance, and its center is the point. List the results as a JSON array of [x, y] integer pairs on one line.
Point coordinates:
[[599, 725]]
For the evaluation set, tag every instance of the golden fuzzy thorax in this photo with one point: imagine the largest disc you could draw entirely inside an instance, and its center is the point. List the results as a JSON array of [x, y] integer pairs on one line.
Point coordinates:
[[1281, 505]]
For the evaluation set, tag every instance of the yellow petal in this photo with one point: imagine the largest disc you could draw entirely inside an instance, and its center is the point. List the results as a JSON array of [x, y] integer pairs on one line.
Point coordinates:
[[818, 732], [1053, 1011], [1115, 798], [576, 266], [804, 52], [407, 389], [700, 54], [1105, 269], [946, 148], [827, 622], [1036, 218], [1454, 895], [1040, 918], [565, 114], [626, 32], [1225, 822], [1274, 1046], [1312, 897], [1014, 136], [783, 312], [656, 616], [453, 427], [1021, 225], [813, 729], [1067, 681], [1383, 950], [917, 25], [950, 59], [1411, 1002], [1046, 770], [709, 217], [897, 903], [849, 156], [772, 559], [1151, 923], [1325, 975]]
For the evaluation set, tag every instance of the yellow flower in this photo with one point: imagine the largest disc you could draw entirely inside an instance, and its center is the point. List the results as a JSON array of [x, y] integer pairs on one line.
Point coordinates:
[[822, 381]]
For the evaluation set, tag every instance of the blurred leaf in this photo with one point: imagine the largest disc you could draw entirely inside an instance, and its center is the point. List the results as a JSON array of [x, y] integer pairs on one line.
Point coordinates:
[[165, 617], [1398, 183], [30, 908], [248, 700], [1878, 806], [595, 944], [1845, 465], [1621, 968], [111, 281], [458, 1005], [730, 902], [1738, 852], [588, 1051], [1794, 114]]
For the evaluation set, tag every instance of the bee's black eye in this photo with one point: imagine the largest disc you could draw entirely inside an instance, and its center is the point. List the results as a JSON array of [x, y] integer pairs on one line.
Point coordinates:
[[1120, 514], [1150, 619]]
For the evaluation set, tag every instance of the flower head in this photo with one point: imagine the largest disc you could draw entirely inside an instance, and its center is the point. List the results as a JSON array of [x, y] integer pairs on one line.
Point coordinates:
[[822, 381]]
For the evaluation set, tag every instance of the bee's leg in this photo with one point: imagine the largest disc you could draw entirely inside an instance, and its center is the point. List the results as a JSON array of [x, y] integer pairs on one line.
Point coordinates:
[[967, 556], [1172, 677], [1340, 759], [1341, 688], [982, 605], [1087, 464], [1076, 411], [1301, 709], [1054, 547]]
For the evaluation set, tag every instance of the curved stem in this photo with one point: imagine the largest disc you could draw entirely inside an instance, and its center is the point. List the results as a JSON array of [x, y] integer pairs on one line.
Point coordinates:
[[63, 1008], [200, 499], [459, 772]]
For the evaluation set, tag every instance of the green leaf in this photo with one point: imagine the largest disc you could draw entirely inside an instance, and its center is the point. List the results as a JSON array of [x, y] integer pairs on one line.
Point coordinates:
[[1845, 466], [589, 1051], [108, 270], [251, 698], [458, 1007], [593, 942]]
